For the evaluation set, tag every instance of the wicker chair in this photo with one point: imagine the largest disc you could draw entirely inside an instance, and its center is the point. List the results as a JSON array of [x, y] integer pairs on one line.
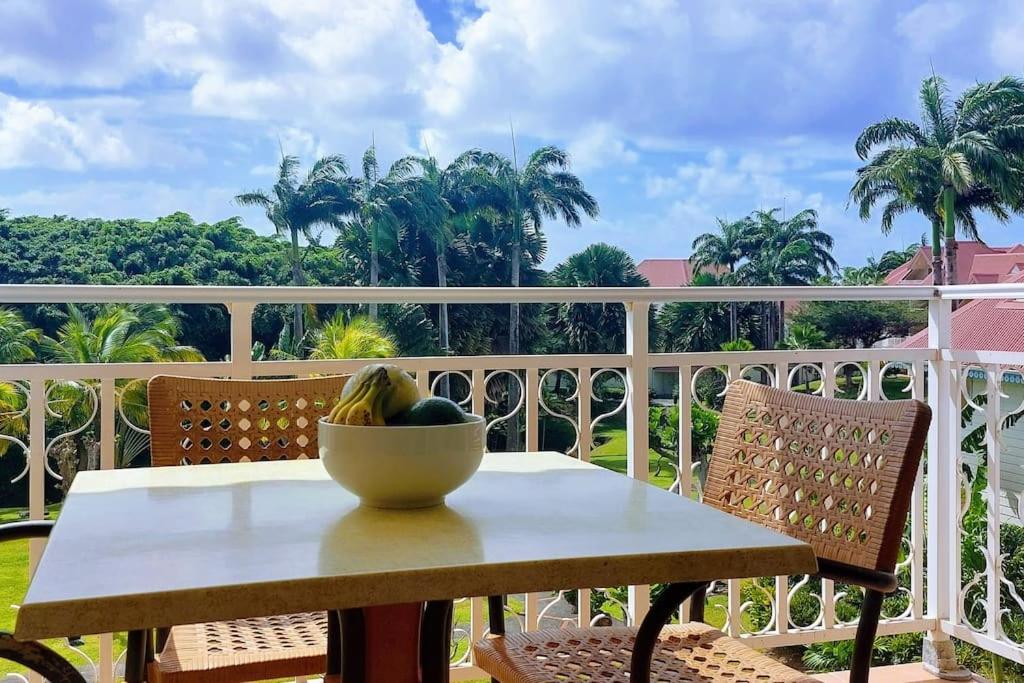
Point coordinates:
[[834, 473], [197, 421]]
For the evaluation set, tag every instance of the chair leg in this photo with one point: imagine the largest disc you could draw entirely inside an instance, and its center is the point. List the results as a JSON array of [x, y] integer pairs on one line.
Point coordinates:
[[697, 604], [864, 643], [135, 658], [647, 635]]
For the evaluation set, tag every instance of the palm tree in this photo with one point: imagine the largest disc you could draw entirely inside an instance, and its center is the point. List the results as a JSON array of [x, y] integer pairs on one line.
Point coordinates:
[[115, 334], [119, 334], [385, 205], [359, 337], [296, 207], [965, 155], [452, 189], [788, 252], [595, 328], [694, 325], [803, 335], [17, 339], [17, 345], [543, 188], [723, 249]]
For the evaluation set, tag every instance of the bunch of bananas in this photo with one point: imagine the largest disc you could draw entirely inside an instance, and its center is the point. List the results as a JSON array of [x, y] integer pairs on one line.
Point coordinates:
[[374, 394]]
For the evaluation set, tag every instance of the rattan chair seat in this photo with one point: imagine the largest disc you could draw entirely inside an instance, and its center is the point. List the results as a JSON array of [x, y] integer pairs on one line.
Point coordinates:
[[244, 650], [688, 653]]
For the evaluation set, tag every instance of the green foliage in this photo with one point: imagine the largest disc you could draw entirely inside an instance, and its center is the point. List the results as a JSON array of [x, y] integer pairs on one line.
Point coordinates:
[[849, 324], [804, 335], [359, 337], [965, 156], [740, 344], [173, 250], [594, 328], [664, 432], [838, 655], [17, 338]]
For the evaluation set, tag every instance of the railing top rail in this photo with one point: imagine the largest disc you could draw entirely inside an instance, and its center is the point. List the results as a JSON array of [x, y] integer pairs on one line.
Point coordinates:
[[1003, 290], [37, 294]]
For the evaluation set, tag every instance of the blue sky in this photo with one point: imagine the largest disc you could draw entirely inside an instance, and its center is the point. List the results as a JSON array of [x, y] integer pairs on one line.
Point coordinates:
[[675, 112]]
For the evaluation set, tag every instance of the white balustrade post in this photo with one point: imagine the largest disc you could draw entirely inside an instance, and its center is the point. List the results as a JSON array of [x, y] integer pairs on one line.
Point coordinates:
[[108, 436], [241, 339], [943, 497], [37, 463], [637, 452]]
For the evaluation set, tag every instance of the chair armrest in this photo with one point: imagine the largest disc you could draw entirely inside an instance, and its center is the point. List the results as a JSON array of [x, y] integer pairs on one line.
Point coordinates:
[[17, 531]]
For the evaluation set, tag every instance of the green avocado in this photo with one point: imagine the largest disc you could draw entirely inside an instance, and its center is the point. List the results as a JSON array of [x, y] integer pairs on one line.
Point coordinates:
[[432, 411]]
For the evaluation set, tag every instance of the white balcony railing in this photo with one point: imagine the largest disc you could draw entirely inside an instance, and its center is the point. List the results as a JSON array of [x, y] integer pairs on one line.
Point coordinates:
[[936, 596]]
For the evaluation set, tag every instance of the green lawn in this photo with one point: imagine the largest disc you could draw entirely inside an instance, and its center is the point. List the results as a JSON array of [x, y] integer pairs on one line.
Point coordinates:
[[612, 455], [14, 583]]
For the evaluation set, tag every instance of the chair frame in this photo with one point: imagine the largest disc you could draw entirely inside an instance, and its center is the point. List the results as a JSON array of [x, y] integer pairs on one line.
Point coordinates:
[[878, 580], [31, 654]]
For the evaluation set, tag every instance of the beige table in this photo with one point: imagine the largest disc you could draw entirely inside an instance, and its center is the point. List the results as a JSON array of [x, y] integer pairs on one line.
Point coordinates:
[[143, 548]]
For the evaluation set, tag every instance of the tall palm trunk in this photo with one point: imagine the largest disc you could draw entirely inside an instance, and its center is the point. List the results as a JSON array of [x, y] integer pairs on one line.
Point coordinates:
[[937, 270], [734, 331], [374, 268], [442, 316], [297, 280], [948, 211], [513, 315], [782, 320]]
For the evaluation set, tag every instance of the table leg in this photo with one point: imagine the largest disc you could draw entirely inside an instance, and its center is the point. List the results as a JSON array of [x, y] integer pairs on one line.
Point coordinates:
[[647, 635]]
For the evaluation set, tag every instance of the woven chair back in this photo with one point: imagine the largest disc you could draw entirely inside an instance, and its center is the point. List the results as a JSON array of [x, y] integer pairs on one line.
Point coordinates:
[[837, 474], [197, 420]]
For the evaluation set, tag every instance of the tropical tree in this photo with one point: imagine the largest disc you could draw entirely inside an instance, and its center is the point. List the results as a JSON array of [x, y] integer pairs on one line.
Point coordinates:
[[296, 207], [385, 205], [17, 345], [544, 188], [787, 252], [595, 328], [964, 156], [115, 334], [803, 335], [452, 189], [359, 337], [723, 249], [17, 338], [119, 334], [694, 325]]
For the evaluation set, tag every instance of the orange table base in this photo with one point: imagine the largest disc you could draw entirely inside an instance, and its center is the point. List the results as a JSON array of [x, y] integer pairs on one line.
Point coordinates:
[[395, 644], [392, 643]]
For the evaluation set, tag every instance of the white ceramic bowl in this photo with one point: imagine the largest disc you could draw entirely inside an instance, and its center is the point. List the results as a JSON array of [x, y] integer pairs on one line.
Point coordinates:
[[402, 466]]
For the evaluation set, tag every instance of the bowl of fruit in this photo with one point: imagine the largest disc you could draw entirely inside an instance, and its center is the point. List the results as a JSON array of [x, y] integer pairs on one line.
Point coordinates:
[[394, 449]]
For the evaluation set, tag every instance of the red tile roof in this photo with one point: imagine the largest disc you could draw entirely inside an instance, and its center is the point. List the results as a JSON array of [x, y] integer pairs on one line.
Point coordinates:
[[966, 252], [666, 272], [983, 324]]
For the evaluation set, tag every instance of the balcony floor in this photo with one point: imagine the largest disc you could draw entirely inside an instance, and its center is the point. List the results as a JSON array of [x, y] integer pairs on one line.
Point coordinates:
[[903, 673]]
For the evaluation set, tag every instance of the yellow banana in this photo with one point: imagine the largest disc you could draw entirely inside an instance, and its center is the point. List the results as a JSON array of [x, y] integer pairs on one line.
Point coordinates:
[[363, 412], [341, 410]]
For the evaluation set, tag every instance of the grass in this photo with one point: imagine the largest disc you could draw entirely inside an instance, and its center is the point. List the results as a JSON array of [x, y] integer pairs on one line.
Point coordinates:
[[612, 455], [14, 583]]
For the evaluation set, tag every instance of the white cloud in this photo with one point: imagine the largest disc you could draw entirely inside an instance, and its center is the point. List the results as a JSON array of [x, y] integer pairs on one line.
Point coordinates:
[[34, 135], [930, 24], [599, 145]]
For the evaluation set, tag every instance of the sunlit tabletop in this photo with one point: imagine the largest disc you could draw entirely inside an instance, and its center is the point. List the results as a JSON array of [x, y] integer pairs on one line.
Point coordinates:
[[142, 548]]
